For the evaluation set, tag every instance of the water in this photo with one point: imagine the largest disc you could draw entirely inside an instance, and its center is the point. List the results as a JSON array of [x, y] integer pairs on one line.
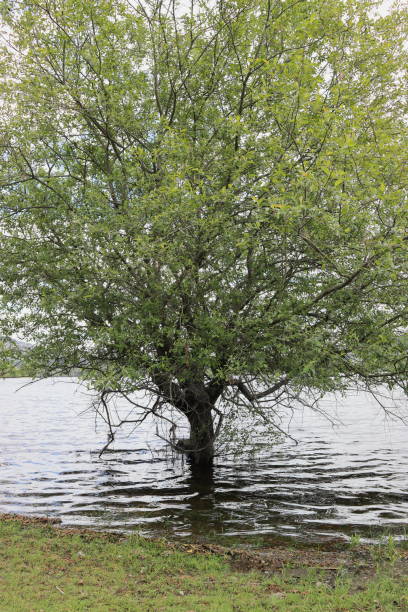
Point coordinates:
[[336, 482]]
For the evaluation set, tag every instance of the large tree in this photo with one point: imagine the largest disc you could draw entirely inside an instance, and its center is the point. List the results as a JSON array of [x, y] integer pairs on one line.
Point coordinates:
[[206, 201]]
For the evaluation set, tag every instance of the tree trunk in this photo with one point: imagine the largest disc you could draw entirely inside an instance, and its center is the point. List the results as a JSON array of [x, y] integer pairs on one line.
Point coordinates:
[[201, 435], [198, 410]]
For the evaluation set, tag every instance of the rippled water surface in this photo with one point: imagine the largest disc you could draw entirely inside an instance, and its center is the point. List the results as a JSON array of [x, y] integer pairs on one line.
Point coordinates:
[[351, 478]]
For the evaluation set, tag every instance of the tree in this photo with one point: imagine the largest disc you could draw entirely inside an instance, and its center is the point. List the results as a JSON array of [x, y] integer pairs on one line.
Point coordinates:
[[206, 203]]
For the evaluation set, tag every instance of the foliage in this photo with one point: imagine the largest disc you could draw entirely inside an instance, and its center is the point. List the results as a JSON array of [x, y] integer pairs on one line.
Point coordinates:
[[207, 205], [10, 365]]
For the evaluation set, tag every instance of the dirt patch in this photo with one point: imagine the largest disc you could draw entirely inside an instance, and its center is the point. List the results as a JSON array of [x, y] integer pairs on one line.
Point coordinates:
[[277, 558], [359, 565]]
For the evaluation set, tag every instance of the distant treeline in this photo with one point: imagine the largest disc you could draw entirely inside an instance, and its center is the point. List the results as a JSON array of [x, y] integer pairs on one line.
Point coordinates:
[[13, 371]]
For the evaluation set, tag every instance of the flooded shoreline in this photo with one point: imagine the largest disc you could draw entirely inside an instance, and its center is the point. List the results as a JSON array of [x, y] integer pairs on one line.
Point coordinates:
[[336, 482]]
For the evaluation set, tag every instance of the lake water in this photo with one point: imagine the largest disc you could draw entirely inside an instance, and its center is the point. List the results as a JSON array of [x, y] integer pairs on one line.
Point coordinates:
[[352, 478]]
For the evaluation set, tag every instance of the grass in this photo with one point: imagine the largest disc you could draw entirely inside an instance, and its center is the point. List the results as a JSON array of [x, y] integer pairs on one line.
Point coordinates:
[[47, 569]]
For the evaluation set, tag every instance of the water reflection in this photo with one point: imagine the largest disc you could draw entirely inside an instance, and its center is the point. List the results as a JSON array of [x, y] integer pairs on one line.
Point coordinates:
[[352, 479]]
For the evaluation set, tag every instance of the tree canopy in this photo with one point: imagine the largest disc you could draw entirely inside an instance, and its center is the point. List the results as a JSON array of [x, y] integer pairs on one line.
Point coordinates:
[[206, 200]]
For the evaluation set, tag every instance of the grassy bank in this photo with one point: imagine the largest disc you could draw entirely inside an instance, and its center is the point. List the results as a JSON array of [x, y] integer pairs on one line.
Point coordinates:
[[43, 568]]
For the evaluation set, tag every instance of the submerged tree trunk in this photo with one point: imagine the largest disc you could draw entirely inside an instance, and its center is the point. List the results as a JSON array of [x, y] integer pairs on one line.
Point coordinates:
[[198, 410], [201, 435]]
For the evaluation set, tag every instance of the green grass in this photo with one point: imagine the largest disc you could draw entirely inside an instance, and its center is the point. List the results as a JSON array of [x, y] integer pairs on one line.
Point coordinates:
[[47, 569]]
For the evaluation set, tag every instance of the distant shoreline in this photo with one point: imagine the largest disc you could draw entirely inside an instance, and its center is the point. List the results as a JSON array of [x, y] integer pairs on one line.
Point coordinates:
[[46, 378]]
